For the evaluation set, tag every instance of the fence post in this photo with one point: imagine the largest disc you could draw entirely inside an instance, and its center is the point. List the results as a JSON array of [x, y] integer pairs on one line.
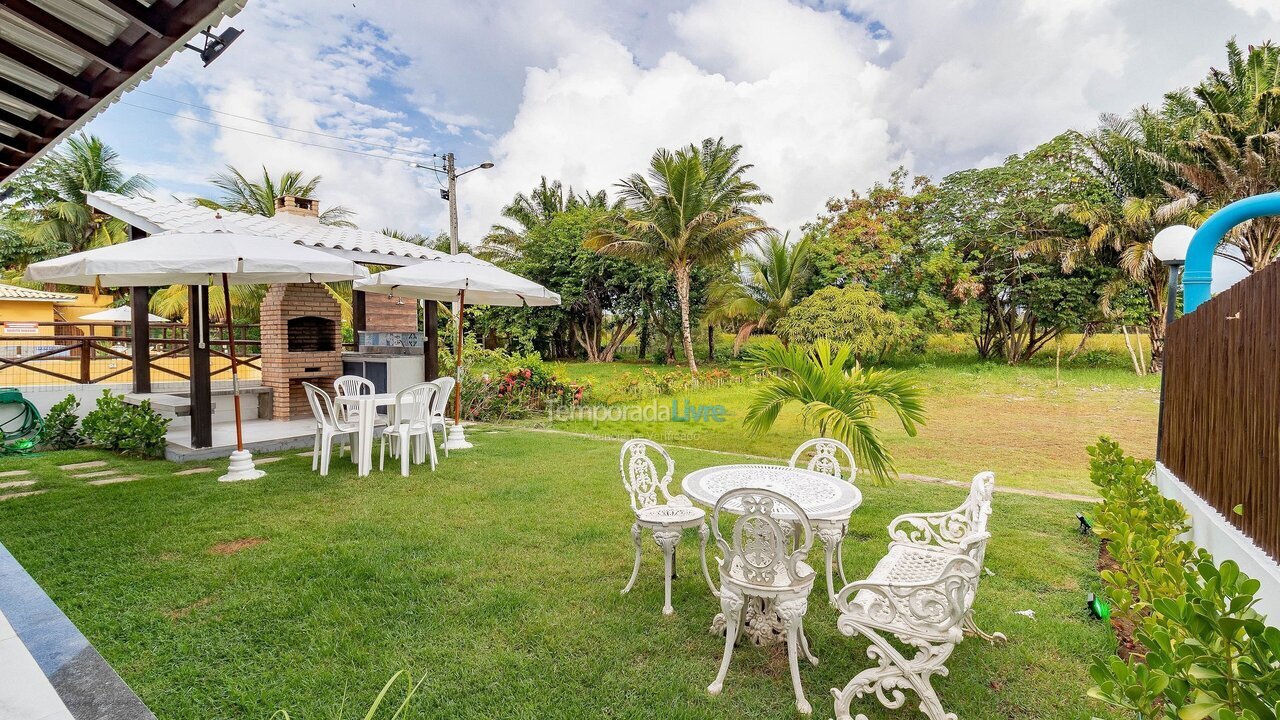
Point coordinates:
[[86, 352]]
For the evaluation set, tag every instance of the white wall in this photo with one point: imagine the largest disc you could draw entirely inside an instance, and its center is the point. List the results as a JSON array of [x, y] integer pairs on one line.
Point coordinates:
[[1213, 532]]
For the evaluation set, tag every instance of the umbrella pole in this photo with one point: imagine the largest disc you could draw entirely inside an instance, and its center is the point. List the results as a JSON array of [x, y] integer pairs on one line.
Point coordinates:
[[241, 466], [457, 439]]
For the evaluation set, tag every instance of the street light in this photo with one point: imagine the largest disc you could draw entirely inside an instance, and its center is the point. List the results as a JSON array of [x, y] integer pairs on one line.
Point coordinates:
[[1170, 248]]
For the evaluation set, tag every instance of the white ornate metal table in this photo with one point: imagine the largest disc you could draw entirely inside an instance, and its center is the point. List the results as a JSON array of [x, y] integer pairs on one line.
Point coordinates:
[[822, 497]]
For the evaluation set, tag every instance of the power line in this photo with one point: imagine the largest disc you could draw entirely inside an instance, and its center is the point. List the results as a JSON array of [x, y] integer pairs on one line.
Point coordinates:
[[271, 124], [269, 136]]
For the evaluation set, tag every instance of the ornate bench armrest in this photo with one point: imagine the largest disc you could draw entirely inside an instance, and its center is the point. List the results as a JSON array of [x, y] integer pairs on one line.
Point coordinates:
[[933, 606], [938, 529]]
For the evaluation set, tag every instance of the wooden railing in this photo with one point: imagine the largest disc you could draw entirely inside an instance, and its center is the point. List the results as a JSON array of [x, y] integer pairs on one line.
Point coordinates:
[[1220, 419], [88, 345]]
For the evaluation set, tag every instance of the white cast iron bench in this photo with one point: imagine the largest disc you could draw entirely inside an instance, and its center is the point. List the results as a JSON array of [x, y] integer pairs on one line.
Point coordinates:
[[921, 593]]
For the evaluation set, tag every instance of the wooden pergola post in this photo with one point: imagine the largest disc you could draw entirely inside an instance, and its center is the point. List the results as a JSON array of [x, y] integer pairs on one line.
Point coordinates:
[[431, 348], [201, 385], [139, 299]]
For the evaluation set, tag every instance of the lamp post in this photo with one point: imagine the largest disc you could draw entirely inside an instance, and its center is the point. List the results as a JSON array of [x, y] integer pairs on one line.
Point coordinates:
[[456, 438], [1170, 248]]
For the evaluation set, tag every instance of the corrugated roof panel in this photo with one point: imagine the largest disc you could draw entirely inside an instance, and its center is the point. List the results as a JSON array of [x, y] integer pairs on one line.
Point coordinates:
[[90, 18], [40, 43]]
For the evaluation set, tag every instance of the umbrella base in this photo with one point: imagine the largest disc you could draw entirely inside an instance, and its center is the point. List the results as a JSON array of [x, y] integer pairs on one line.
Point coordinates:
[[241, 468], [457, 439]]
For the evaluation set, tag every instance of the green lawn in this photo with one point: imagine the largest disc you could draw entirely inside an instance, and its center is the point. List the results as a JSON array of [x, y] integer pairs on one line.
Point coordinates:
[[1017, 421], [497, 577]]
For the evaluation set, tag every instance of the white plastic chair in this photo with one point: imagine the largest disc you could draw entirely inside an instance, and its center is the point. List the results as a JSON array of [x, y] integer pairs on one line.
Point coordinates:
[[350, 386], [438, 418], [759, 564], [410, 418], [834, 458], [666, 519], [328, 426]]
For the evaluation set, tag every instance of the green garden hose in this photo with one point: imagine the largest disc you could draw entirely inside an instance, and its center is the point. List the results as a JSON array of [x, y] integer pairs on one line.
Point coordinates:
[[21, 431]]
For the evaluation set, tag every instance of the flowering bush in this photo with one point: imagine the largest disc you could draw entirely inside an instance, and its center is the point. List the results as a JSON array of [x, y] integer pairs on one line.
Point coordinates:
[[498, 386]]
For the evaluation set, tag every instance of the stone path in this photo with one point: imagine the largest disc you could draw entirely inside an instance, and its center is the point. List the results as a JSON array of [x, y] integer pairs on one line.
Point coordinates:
[[905, 476], [11, 496], [94, 474], [193, 471], [114, 480], [14, 473], [16, 484], [84, 465]]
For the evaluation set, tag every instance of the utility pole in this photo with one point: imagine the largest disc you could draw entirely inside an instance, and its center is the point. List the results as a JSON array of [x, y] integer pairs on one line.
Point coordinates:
[[451, 172]]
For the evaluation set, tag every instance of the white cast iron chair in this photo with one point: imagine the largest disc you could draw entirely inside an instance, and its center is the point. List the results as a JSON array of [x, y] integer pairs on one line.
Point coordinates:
[[759, 563], [410, 419], [438, 418], [830, 457], [328, 426], [667, 518], [350, 386]]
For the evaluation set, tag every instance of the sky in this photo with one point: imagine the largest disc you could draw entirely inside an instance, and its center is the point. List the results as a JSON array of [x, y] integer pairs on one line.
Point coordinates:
[[825, 96]]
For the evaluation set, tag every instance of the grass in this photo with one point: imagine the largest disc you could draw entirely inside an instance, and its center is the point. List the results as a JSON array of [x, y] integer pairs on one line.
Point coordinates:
[[498, 578], [1021, 422]]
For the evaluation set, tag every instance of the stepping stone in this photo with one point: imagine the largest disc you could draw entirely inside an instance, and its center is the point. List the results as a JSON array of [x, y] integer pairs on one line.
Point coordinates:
[[114, 480], [309, 453], [17, 483], [84, 465], [94, 474], [12, 496], [14, 473], [266, 460], [194, 471]]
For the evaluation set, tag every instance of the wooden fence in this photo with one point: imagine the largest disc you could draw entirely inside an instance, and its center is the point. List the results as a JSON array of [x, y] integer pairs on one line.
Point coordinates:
[[1221, 408]]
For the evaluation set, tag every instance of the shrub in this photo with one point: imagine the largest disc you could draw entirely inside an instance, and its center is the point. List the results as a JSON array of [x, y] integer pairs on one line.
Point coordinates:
[[851, 316], [1208, 653], [498, 385], [134, 430], [60, 431]]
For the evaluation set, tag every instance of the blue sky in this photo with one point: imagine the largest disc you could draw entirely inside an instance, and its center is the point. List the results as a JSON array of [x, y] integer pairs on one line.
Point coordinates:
[[826, 96]]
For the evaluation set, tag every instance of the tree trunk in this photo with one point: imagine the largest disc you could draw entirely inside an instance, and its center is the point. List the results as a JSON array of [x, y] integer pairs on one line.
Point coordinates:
[[711, 343], [644, 339], [1089, 329], [682, 290]]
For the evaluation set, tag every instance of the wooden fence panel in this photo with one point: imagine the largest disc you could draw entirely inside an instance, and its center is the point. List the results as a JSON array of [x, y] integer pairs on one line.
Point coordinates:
[[1221, 411]]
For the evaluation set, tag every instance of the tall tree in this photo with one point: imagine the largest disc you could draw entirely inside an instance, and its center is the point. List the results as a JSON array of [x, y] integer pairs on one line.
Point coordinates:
[[880, 239], [694, 208], [1233, 146], [240, 194], [52, 196]]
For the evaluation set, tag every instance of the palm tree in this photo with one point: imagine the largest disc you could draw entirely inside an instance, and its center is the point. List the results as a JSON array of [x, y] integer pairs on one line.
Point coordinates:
[[1233, 148], [240, 194], [838, 398], [692, 209], [537, 209], [56, 187], [776, 277]]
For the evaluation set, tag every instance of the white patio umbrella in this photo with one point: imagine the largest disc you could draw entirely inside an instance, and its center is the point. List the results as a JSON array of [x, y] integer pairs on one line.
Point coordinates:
[[463, 279], [201, 255], [121, 314]]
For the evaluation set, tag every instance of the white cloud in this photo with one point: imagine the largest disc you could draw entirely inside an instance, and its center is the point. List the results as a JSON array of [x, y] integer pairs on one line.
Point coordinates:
[[804, 112]]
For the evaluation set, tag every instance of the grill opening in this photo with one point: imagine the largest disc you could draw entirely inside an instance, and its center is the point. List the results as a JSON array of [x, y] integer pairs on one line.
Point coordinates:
[[311, 334]]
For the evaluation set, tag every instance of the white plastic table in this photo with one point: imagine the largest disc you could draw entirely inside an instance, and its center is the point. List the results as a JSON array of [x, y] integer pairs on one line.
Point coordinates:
[[368, 406], [828, 501]]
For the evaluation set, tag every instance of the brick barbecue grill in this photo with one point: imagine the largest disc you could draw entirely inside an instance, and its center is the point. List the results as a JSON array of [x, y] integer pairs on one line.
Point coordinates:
[[301, 341]]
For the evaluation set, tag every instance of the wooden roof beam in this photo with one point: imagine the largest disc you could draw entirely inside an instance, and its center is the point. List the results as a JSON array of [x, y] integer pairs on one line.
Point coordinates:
[[34, 128], [151, 19], [53, 107], [112, 56], [40, 66]]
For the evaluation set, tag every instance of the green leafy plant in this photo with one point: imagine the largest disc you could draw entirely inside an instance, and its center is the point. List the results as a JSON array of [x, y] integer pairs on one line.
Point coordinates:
[[1208, 653], [839, 398], [60, 430], [115, 425], [852, 316]]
